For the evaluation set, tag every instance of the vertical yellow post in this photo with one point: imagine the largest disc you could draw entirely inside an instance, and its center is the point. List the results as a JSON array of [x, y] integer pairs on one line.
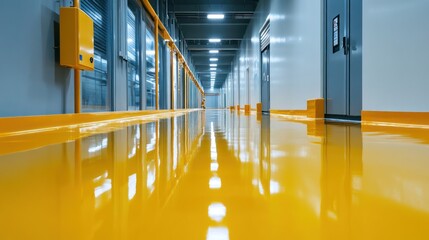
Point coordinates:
[[172, 76], [186, 89], [179, 79], [77, 105], [156, 64]]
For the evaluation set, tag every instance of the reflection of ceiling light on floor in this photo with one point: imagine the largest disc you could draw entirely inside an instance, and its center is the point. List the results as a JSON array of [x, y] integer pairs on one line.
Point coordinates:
[[213, 154], [217, 212], [215, 183], [132, 186], [274, 187], [105, 187], [214, 167], [217, 233]]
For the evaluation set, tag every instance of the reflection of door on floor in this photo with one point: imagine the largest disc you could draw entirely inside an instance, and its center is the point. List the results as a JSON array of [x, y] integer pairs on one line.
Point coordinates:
[[344, 58], [265, 154], [340, 179]]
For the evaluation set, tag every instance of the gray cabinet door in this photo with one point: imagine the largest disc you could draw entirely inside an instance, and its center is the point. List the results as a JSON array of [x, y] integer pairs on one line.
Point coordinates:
[[265, 81]]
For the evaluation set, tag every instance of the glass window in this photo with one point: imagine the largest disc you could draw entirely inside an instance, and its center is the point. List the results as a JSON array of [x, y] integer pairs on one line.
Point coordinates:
[[133, 54], [96, 84], [150, 69]]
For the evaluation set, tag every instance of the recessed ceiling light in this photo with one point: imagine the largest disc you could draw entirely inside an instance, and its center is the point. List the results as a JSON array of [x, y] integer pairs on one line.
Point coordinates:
[[215, 16], [214, 51], [213, 59], [213, 69], [213, 65], [214, 40]]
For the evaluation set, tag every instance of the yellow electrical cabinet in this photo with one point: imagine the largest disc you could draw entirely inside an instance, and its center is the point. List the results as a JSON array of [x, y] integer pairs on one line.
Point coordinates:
[[76, 39]]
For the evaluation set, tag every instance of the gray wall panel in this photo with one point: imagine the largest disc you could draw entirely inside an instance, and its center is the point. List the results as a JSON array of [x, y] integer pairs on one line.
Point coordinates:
[[32, 82]]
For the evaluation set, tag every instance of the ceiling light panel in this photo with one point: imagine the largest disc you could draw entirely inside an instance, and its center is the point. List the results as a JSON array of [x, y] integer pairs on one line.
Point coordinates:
[[214, 40], [215, 16]]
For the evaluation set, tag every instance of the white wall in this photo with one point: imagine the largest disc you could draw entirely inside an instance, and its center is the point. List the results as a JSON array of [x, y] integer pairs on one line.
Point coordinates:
[[396, 55], [296, 54], [212, 102]]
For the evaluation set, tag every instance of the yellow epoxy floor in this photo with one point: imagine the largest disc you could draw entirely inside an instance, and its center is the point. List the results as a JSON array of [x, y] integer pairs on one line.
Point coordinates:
[[217, 175]]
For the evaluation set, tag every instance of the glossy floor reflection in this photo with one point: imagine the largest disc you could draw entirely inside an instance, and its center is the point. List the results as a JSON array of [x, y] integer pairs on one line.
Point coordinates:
[[218, 175]]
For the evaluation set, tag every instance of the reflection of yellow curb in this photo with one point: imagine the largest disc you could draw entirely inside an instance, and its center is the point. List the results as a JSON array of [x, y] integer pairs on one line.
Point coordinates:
[[259, 107]]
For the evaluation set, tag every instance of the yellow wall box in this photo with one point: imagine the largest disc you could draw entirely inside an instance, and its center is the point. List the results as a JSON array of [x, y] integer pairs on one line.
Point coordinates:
[[76, 39]]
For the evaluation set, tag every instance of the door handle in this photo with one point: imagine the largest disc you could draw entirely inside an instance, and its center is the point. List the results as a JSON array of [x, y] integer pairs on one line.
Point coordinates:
[[268, 78], [346, 45]]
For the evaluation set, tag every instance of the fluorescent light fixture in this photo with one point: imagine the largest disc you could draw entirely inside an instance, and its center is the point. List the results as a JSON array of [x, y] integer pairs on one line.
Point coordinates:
[[213, 65], [213, 59], [214, 40], [214, 51], [215, 16], [213, 69]]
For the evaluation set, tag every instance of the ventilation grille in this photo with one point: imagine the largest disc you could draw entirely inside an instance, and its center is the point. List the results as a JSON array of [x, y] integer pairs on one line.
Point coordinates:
[[98, 11], [265, 36]]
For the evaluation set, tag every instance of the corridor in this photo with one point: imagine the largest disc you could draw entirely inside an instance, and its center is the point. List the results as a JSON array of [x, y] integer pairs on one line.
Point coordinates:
[[217, 175]]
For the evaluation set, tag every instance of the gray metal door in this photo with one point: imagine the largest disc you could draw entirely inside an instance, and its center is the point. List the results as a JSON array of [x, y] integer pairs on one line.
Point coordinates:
[[344, 57], [265, 95]]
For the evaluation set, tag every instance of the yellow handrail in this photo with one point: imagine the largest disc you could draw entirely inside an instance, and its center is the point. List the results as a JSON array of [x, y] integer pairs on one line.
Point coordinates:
[[166, 36]]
